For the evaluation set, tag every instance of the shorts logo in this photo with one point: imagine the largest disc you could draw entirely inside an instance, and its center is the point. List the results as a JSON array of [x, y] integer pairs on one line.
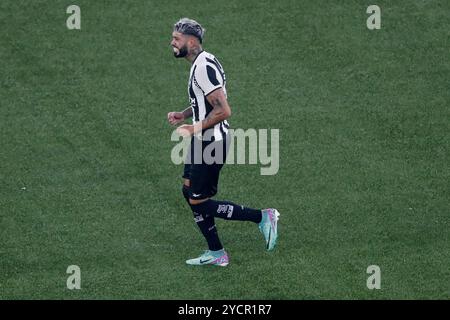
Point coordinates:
[[196, 195]]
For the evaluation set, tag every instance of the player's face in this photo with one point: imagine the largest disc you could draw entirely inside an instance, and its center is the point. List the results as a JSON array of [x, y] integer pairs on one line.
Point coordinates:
[[179, 45]]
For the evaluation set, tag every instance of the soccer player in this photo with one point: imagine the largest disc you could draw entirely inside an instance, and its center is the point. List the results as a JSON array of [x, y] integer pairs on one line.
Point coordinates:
[[209, 110]]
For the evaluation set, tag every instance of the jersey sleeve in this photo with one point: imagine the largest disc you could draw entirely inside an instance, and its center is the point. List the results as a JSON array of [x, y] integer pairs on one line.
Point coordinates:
[[208, 78]]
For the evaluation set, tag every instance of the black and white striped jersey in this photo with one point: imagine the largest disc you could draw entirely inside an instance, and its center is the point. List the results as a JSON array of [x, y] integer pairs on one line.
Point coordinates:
[[206, 76]]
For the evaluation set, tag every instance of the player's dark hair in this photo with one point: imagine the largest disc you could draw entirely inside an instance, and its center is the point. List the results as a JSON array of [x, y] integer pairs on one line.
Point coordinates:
[[191, 27]]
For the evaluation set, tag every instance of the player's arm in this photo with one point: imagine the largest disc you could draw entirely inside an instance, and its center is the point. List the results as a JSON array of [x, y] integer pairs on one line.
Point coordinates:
[[206, 77], [187, 113], [221, 109]]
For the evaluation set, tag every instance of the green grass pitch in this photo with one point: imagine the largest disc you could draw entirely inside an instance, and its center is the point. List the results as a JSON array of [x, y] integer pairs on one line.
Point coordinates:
[[85, 171]]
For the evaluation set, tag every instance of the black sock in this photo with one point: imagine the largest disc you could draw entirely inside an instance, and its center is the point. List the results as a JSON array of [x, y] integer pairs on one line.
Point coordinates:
[[206, 225], [228, 210], [208, 228]]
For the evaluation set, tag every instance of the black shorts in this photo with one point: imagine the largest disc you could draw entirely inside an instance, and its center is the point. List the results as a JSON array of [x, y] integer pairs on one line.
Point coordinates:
[[202, 166]]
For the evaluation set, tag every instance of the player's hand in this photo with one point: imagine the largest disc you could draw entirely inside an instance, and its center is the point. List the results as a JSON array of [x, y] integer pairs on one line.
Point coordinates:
[[185, 130], [175, 118]]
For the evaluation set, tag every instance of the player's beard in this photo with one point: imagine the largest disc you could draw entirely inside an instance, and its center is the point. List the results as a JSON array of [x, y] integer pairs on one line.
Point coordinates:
[[181, 53]]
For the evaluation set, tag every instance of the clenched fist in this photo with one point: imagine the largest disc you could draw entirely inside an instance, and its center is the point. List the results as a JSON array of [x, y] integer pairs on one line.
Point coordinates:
[[175, 117]]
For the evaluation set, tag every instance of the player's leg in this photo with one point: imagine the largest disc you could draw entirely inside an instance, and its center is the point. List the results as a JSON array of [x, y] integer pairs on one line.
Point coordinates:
[[226, 210], [215, 254], [205, 222], [267, 219], [207, 178]]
